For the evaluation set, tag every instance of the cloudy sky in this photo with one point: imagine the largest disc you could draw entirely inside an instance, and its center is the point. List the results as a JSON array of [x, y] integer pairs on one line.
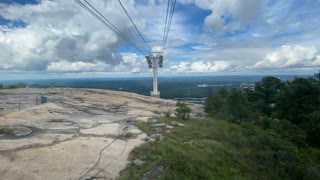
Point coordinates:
[[59, 39]]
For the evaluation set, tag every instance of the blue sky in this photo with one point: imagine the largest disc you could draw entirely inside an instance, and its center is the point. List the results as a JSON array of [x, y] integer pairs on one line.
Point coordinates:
[[59, 39]]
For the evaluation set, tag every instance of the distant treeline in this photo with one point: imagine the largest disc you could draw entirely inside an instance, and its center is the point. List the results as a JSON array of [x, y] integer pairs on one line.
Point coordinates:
[[13, 86]]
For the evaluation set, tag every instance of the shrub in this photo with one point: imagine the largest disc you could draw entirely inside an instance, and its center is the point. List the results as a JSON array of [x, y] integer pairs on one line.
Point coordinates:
[[167, 114], [183, 111]]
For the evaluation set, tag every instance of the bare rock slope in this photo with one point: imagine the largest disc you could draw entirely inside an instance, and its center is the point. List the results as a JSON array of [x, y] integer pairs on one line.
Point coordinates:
[[78, 134]]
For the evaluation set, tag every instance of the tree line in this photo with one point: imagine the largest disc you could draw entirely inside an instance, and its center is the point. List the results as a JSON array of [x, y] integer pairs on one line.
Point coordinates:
[[291, 108]]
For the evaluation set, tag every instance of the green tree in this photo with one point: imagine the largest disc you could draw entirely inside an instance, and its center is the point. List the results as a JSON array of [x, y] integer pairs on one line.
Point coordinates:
[[266, 89], [313, 128], [217, 103], [183, 111], [257, 103], [269, 86], [237, 104], [317, 76], [298, 99]]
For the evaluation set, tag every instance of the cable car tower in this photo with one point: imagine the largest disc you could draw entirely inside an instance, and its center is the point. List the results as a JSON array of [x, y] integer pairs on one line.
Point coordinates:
[[155, 61]]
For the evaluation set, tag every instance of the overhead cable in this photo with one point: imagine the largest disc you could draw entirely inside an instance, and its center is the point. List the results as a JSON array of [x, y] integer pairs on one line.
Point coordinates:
[[107, 23], [167, 29], [134, 25]]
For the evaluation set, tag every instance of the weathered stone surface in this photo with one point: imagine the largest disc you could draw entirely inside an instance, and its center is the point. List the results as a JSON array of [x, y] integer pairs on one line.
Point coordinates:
[[157, 137], [174, 123], [153, 174], [153, 121], [78, 134], [158, 125], [159, 130], [169, 127]]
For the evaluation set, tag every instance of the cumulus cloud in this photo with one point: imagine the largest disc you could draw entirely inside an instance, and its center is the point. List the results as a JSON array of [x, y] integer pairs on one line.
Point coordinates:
[[132, 63], [290, 56], [60, 33], [230, 15], [201, 67], [217, 66], [66, 66], [181, 67]]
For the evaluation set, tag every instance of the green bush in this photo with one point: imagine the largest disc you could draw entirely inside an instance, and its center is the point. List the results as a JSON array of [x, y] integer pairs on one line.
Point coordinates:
[[183, 111], [167, 114]]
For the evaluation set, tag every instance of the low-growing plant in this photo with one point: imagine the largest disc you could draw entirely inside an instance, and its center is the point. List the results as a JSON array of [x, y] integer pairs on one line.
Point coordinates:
[[183, 111], [144, 127], [128, 135], [167, 114], [6, 130]]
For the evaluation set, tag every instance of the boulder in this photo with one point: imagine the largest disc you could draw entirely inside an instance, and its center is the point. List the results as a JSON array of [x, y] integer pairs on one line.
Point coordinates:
[[138, 162], [153, 174], [157, 137]]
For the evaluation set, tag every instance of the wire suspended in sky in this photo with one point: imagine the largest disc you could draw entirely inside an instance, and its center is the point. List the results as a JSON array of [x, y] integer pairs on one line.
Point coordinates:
[[168, 21], [165, 24], [106, 22], [134, 25]]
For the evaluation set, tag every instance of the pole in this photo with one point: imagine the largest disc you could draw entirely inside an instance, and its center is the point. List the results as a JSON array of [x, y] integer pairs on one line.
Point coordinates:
[[155, 92], [154, 62], [155, 75]]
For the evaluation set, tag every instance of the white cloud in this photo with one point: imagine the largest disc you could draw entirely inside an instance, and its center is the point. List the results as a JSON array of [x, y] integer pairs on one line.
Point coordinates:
[[290, 56], [58, 32], [181, 67], [136, 70], [201, 67], [62, 33], [66, 66], [132, 63], [230, 15]]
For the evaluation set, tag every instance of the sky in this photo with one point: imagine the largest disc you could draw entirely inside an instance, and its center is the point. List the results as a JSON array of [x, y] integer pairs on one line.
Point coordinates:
[[59, 39]]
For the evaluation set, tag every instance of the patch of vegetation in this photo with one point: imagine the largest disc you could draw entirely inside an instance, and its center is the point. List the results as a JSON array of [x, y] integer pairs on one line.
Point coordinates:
[[6, 131], [144, 127], [206, 149], [128, 135], [296, 102], [156, 112], [167, 114], [166, 120], [271, 132], [183, 111], [13, 86]]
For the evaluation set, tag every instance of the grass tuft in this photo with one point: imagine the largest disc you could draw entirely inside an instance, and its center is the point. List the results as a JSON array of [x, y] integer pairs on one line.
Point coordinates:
[[6, 130], [144, 127]]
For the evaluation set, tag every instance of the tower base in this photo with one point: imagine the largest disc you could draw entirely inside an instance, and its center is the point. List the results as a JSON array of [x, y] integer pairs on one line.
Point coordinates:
[[155, 94]]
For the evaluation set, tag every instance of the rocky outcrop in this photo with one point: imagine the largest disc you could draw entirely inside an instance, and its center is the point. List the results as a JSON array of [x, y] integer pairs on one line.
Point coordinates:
[[79, 133]]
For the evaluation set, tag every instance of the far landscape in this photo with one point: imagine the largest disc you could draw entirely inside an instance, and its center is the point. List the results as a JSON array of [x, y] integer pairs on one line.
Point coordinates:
[[159, 89]]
